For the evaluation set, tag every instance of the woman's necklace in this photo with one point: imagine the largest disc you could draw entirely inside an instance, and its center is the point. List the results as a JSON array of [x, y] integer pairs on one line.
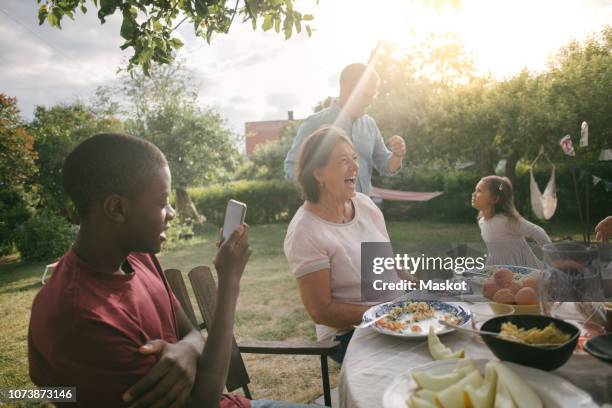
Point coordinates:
[[339, 218]]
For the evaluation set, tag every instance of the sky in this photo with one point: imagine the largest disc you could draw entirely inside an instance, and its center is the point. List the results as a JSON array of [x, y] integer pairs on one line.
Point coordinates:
[[251, 75]]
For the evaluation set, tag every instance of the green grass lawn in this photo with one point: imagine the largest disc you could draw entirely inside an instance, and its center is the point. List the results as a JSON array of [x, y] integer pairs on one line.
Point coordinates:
[[269, 307]]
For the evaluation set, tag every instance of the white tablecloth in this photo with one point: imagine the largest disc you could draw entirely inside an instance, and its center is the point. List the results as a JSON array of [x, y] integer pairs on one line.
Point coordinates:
[[374, 360]]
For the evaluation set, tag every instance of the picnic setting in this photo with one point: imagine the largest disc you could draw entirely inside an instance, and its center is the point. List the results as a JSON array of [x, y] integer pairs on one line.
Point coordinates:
[[296, 204]]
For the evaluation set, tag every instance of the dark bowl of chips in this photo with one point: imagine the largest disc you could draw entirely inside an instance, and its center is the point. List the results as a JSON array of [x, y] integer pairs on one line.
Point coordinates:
[[545, 358]]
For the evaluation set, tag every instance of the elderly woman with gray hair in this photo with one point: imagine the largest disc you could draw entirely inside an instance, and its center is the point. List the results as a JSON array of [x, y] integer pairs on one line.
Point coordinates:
[[323, 241]]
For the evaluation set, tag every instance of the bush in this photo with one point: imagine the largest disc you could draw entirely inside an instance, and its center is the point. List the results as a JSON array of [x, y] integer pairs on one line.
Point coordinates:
[[45, 237], [267, 201], [13, 212]]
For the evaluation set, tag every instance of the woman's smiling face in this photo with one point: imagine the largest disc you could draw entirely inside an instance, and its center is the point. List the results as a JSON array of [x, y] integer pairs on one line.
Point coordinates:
[[339, 175]]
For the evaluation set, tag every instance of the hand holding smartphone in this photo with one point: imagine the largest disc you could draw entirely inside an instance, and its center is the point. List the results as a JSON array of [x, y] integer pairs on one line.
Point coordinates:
[[235, 213]]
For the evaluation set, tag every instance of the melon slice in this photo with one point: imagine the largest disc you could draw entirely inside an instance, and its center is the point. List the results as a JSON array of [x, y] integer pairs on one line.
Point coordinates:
[[520, 392], [438, 350], [436, 382], [452, 397]]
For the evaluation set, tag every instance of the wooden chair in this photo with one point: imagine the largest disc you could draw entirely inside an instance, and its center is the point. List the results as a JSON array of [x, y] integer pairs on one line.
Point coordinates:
[[205, 290]]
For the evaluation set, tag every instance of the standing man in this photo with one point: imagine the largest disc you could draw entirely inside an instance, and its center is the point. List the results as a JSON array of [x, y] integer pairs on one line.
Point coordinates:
[[358, 88]]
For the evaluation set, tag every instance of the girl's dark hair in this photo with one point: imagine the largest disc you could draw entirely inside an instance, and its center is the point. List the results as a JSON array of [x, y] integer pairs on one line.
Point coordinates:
[[315, 153], [501, 189]]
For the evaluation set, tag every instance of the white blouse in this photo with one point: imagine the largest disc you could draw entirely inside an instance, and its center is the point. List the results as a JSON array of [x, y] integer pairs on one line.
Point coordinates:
[[505, 240]]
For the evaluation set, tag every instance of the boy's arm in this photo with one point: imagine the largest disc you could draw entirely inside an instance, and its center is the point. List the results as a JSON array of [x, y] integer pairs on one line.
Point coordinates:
[[213, 364], [171, 381], [172, 378]]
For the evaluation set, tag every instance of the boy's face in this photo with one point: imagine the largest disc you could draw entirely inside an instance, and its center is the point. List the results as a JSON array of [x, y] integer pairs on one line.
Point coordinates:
[[149, 214]]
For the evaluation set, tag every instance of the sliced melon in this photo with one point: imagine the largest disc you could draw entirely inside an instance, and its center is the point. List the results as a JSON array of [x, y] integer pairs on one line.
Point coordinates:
[[416, 402], [452, 397], [438, 350], [427, 395], [466, 365], [490, 374], [502, 396], [436, 382], [520, 392], [481, 397]]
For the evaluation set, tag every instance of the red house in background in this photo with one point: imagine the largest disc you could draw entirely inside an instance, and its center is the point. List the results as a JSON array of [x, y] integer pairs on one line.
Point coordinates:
[[256, 133]]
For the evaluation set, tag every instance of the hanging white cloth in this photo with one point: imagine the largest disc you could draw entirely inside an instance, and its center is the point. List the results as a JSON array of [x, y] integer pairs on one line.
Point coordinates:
[[544, 204]]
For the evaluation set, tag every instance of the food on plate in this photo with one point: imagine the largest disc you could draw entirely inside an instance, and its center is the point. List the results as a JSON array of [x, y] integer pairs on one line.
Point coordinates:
[[452, 397], [529, 281], [489, 288], [503, 277], [510, 288], [515, 286], [504, 296], [408, 318], [483, 396], [548, 335], [465, 387], [427, 395], [438, 350], [503, 399], [430, 382], [520, 392], [420, 311], [526, 296], [416, 402], [436, 382], [391, 324]]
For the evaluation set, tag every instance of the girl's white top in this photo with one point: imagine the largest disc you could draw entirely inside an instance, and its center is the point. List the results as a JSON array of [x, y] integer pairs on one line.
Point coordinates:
[[505, 240]]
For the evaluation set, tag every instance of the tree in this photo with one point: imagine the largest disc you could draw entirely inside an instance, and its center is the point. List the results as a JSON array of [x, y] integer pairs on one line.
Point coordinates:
[[580, 79], [414, 83], [162, 107], [148, 25], [57, 130], [463, 125], [524, 119], [17, 153], [196, 143], [17, 167]]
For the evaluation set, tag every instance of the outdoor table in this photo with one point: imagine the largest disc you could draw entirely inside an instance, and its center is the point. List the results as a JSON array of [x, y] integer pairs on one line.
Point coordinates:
[[373, 360]]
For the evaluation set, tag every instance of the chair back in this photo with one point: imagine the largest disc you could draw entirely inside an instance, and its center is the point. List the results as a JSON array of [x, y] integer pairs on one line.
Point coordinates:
[[205, 290], [177, 284]]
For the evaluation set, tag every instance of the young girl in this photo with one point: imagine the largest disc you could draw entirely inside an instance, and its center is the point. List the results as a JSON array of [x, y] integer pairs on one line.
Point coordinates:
[[502, 227]]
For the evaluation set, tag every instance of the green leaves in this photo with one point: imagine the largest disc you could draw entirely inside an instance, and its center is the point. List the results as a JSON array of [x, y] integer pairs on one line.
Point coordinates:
[[148, 25], [267, 24]]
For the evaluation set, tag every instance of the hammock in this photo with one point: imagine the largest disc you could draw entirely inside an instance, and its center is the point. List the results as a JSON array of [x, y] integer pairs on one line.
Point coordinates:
[[396, 195], [544, 204]]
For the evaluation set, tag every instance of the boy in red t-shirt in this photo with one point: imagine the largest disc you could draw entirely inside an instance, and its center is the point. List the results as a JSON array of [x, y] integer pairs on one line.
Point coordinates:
[[106, 321]]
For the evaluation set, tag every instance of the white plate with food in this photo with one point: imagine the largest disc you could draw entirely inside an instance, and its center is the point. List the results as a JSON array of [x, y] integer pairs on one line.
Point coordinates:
[[551, 391], [412, 319]]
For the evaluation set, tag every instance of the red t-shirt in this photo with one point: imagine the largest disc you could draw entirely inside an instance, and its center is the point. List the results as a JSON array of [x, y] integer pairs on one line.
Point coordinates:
[[86, 328]]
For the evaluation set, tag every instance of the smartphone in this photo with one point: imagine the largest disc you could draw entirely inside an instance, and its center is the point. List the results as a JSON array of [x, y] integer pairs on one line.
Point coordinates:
[[234, 216]]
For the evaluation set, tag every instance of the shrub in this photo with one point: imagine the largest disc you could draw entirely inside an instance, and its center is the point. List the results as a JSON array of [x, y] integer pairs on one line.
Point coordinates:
[[267, 201], [45, 237], [13, 212]]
